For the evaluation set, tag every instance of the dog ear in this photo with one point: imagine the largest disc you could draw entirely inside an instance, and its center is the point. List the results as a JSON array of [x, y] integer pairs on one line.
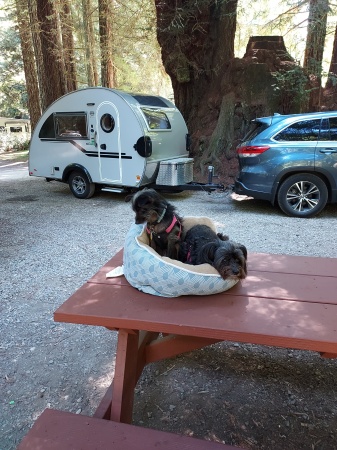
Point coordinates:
[[208, 252], [243, 249], [223, 237]]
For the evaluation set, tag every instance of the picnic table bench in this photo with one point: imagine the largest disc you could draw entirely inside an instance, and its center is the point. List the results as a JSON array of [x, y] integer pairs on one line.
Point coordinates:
[[59, 430], [285, 301]]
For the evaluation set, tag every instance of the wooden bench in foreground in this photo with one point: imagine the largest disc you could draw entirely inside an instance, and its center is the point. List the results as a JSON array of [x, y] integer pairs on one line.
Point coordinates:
[[57, 430]]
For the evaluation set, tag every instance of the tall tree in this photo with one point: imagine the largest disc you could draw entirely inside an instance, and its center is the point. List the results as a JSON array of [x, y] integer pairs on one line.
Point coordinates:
[[53, 81], [13, 93], [67, 28], [316, 33], [89, 43], [28, 62], [332, 76], [197, 42], [108, 76], [35, 30], [314, 49]]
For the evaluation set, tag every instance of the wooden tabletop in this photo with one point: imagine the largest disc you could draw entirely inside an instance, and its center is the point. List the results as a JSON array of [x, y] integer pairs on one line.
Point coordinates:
[[286, 301]]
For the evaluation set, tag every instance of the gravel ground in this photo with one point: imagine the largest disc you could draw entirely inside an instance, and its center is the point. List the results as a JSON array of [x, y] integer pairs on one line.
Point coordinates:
[[51, 243]]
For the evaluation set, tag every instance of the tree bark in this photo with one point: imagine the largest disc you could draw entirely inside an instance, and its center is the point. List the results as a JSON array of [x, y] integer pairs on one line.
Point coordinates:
[[53, 83], [28, 62], [313, 55], [68, 45], [197, 43], [89, 42], [106, 42], [35, 30], [332, 77]]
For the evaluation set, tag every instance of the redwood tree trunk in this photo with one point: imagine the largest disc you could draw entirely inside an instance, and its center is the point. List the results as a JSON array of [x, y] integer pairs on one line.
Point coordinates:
[[35, 30], [28, 62], [89, 40], [53, 81], [332, 77], [68, 45], [313, 56], [197, 43], [106, 41]]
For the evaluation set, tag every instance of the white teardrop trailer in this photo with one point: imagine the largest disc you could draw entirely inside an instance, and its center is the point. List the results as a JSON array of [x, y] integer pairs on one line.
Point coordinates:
[[116, 141]]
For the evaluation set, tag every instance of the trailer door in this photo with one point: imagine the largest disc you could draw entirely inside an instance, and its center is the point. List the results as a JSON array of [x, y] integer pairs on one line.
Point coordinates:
[[108, 141]]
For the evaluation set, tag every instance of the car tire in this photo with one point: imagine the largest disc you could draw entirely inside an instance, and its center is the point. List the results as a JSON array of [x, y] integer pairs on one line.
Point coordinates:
[[80, 185], [302, 195]]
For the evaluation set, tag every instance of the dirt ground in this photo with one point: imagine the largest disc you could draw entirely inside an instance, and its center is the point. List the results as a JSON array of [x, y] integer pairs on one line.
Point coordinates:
[[254, 397], [249, 396]]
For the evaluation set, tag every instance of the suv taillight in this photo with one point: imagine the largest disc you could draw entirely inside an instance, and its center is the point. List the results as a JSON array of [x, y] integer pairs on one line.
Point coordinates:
[[252, 150]]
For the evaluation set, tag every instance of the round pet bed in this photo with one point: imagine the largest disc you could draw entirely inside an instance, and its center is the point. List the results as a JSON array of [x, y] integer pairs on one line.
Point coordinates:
[[150, 273]]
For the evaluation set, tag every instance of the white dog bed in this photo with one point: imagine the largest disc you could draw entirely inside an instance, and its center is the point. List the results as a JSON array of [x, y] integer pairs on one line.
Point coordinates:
[[150, 273]]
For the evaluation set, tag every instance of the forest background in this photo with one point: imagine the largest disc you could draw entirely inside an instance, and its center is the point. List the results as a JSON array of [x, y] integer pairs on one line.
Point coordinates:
[[223, 62]]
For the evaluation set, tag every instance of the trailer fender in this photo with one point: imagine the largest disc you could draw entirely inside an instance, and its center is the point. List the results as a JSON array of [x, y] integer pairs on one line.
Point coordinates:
[[70, 168]]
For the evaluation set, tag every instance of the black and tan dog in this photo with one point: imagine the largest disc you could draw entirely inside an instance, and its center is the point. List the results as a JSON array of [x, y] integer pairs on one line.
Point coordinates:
[[203, 245], [163, 224]]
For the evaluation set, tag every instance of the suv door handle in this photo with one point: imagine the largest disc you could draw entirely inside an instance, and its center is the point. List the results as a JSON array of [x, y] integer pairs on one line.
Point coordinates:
[[328, 150]]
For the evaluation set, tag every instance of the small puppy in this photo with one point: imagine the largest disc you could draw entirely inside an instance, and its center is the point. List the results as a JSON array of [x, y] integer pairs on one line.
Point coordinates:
[[164, 225], [203, 245]]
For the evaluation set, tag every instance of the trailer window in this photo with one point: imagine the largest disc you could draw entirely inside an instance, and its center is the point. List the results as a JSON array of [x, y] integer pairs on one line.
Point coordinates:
[[156, 120], [107, 123], [48, 130], [70, 125], [150, 100], [65, 126]]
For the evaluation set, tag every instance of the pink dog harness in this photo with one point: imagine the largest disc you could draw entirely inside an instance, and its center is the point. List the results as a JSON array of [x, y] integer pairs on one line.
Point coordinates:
[[168, 229]]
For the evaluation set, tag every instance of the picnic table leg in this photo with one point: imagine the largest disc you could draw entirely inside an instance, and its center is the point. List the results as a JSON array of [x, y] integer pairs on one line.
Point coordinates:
[[125, 377]]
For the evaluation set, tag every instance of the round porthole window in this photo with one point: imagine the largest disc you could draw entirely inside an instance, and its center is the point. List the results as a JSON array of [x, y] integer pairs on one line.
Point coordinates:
[[107, 123]]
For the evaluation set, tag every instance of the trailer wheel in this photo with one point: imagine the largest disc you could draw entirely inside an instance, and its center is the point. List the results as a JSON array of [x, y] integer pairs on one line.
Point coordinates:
[[80, 185]]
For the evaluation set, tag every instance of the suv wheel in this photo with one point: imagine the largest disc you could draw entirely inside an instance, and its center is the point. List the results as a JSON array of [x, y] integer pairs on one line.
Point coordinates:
[[302, 195], [80, 185]]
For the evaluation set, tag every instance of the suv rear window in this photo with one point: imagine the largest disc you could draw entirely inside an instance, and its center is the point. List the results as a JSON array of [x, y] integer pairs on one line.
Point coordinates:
[[305, 130], [255, 129]]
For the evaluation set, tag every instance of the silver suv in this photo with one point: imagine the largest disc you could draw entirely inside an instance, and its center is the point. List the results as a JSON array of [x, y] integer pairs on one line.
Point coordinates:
[[291, 160]]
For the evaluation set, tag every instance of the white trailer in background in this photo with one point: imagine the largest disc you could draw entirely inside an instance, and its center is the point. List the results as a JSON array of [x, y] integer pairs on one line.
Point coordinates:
[[15, 126], [117, 141]]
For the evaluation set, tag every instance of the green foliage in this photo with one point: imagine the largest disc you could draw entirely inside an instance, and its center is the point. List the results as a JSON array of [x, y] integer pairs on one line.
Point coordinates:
[[13, 93], [137, 57], [292, 88], [10, 142], [136, 53], [136, 50]]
